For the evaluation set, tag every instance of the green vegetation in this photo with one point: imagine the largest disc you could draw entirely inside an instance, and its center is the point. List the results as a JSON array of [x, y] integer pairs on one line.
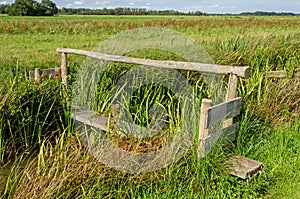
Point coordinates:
[[43, 157], [34, 8], [30, 8]]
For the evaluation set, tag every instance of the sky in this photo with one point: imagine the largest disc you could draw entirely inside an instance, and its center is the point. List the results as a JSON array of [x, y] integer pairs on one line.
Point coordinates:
[[208, 6]]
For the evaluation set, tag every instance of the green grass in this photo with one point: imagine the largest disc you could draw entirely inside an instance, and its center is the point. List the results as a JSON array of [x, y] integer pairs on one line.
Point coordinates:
[[43, 152]]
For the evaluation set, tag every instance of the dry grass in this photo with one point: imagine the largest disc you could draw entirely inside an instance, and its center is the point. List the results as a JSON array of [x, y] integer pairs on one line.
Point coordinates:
[[281, 102]]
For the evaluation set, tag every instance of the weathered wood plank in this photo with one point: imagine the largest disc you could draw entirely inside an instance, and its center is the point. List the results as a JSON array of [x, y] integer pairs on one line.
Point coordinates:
[[90, 118], [276, 74], [220, 112], [226, 135], [243, 167], [194, 66], [39, 74]]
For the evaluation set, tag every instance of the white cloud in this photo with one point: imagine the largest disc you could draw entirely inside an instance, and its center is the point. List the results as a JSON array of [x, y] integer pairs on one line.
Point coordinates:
[[103, 3], [214, 6], [3, 2], [78, 3], [131, 3]]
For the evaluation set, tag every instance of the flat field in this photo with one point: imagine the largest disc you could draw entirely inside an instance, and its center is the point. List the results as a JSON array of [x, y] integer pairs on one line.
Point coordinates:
[[42, 156]]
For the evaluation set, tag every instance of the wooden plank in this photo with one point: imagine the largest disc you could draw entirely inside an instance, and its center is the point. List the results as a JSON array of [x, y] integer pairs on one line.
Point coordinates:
[[231, 94], [90, 118], [243, 167], [218, 113], [226, 135], [52, 73], [45, 73], [276, 74], [194, 66]]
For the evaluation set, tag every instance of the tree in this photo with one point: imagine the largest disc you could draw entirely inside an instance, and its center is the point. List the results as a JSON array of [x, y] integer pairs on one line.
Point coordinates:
[[4, 8], [22, 8], [49, 7], [33, 8]]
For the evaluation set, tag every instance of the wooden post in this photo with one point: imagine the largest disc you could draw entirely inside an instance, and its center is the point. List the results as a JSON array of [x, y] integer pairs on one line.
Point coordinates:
[[231, 93], [203, 131], [37, 75], [64, 68]]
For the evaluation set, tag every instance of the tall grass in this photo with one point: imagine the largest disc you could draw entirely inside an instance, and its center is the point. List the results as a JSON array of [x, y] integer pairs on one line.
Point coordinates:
[[30, 113], [49, 161]]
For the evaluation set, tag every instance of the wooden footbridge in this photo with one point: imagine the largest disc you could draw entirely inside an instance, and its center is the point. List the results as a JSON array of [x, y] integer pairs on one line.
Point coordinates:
[[210, 116]]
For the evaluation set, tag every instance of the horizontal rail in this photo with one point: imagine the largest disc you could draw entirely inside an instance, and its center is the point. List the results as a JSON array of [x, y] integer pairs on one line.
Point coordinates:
[[50, 72], [276, 74], [194, 66], [220, 112]]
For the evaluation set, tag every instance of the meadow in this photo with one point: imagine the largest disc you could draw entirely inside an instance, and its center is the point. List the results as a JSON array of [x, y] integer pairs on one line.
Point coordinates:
[[40, 151]]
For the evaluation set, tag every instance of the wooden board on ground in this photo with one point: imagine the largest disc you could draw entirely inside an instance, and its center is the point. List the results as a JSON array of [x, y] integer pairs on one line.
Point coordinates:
[[243, 167]]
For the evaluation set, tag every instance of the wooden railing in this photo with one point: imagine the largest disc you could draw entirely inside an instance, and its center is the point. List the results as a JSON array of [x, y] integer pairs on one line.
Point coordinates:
[[193, 66]]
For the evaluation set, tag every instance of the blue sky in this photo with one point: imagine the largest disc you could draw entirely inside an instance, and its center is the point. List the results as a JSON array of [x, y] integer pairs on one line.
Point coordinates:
[[209, 6]]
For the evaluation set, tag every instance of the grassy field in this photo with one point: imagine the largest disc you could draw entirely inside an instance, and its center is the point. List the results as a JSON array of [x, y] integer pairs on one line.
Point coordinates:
[[41, 153]]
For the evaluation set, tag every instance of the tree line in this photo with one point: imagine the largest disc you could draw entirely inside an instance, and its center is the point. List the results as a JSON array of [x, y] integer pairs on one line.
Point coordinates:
[[48, 8], [123, 11], [29, 8]]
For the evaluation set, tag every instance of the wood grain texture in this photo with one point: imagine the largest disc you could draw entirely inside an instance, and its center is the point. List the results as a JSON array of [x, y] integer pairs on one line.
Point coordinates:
[[42, 74], [220, 112], [243, 167], [203, 131], [64, 68], [276, 74], [193, 66], [90, 118]]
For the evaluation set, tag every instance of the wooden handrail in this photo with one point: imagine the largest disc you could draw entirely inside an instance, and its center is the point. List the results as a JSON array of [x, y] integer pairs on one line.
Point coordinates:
[[194, 66]]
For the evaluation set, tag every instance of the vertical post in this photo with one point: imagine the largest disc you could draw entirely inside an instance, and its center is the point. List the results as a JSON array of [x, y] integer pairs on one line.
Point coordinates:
[[231, 94], [37, 75], [64, 68], [203, 131]]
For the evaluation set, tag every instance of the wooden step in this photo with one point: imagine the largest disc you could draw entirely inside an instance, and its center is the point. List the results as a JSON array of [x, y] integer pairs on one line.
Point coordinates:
[[243, 167], [89, 117]]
